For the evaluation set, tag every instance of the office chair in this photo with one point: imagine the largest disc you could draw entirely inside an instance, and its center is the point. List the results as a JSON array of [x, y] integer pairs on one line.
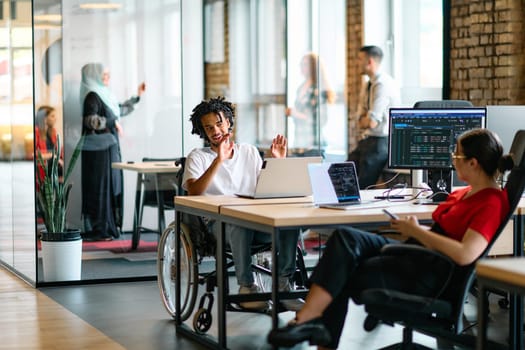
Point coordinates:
[[443, 104], [441, 317], [155, 190], [196, 242]]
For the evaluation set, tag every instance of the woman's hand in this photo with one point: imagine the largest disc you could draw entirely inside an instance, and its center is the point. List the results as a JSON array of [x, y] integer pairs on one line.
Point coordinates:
[[141, 89], [120, 131], [278, 147], [405, 226]]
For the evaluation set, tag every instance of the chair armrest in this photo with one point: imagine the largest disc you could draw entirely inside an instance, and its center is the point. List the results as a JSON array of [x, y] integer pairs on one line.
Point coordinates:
[[415, 250]]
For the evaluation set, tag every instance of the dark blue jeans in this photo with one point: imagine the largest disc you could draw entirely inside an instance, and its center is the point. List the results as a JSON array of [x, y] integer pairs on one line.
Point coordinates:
[[370, 158]]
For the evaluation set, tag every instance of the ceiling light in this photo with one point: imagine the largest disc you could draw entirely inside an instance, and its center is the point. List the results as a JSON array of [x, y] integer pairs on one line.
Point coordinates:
[[100, 6], [47, 27], [48, 18]]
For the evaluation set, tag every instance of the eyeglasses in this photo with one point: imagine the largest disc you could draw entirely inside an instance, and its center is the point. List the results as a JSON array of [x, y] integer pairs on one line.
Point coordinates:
[[453, 155]]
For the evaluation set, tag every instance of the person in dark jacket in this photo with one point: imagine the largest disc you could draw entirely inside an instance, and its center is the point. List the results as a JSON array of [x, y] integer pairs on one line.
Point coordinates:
[[102, 186]]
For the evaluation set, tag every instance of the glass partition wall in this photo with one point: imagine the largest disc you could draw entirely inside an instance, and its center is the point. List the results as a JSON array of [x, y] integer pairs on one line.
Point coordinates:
[[153, 42], [17, 204], [43, 46], [288, 72]]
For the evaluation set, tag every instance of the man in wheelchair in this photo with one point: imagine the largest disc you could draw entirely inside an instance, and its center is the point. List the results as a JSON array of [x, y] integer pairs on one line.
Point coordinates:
[[225, 168]]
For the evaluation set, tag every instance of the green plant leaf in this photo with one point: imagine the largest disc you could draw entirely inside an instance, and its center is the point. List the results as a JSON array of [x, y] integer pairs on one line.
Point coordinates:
[[53, 192]]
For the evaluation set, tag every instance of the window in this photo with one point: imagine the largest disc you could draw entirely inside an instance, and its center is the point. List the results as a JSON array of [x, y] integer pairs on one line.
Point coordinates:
[[411, 36]]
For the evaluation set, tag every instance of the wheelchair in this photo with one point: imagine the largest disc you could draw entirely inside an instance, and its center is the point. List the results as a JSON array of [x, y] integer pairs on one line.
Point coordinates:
[[196, 243]]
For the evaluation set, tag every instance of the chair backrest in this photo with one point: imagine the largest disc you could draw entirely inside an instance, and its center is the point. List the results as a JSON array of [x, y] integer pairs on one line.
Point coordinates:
[[443, 104], [514, 186], [202, 239]]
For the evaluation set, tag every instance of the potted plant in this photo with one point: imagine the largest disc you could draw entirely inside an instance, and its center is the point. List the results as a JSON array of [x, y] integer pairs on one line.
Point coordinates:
[[61, 246]]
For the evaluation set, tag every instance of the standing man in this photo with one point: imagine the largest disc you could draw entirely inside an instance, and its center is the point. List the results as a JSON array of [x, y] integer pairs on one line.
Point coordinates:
[[226, 168], [375, 99]]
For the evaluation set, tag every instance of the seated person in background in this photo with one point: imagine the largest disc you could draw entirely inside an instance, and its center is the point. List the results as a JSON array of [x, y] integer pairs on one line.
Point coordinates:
[[226, 168], [46, 137], [463, 227]]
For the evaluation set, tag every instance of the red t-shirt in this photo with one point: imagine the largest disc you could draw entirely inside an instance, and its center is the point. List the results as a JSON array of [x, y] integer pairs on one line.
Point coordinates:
[[482, 212]]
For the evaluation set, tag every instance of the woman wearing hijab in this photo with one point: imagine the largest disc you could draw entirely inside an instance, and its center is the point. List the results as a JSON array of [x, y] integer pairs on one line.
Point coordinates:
[[101, 185]]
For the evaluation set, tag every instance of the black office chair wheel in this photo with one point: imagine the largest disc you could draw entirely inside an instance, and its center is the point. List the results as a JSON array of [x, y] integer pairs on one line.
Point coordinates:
[[370, 323], [202, 321], [503, 303]]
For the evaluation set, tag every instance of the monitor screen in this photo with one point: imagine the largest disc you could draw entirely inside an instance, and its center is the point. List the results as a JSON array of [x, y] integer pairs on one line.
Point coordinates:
[[424, 138]]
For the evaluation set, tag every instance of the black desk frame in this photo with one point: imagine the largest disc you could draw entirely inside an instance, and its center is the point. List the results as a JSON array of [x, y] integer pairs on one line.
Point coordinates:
[[516, 297], [222, 297]]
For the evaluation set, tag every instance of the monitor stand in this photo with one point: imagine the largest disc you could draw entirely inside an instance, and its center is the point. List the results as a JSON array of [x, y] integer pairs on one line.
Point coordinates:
[[440, 181]]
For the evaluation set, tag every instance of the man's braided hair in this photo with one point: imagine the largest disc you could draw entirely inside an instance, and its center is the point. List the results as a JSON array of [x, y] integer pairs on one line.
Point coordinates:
[[213, 105]]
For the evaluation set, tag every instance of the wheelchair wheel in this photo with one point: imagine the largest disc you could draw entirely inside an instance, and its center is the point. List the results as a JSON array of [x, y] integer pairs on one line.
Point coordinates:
[[202, 321], [263, 271], [166, 270]]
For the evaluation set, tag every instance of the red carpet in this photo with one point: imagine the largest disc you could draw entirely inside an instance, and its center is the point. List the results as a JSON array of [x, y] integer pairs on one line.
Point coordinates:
[[117, 246], [311, 245]]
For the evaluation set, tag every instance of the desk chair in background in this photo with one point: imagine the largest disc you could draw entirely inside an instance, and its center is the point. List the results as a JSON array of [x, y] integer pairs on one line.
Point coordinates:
[[443, 104], [196, 243], [440, 317]]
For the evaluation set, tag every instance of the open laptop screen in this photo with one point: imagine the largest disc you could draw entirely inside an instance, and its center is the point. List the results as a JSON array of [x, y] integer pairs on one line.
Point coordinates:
[[334, 183], [344, 180]]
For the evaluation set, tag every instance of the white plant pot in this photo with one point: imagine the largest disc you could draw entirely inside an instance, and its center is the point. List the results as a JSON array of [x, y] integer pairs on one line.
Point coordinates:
[[62, 261]]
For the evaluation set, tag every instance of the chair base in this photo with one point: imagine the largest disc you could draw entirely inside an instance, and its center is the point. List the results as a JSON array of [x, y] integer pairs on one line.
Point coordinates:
[[402, 346], [407, 343]]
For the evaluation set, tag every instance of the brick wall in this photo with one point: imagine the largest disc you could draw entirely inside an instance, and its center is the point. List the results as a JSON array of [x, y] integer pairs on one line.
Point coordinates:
[[217, 75], [354, 41], [486, 52], [487, 57]]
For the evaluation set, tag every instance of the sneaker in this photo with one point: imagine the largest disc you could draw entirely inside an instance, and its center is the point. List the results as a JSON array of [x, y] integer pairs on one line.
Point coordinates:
[[253, 305], [289, 304]]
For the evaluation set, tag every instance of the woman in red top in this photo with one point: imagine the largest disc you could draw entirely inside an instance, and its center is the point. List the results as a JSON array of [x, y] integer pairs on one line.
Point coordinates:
[[46, 135], [463, 227]]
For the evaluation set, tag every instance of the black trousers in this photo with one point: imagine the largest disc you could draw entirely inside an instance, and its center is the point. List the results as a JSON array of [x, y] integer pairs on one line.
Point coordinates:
[[352, 263], [370, 157]]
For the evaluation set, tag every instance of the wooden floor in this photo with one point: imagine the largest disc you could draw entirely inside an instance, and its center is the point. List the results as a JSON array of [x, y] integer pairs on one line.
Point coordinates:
[[131, 316], [31, 320]]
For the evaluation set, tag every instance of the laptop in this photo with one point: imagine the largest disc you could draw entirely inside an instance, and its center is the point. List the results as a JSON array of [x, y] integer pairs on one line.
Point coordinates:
[[283, 177], [335, 185]]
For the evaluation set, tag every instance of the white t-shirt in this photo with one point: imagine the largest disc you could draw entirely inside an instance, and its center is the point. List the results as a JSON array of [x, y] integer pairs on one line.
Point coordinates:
[[236, 175]]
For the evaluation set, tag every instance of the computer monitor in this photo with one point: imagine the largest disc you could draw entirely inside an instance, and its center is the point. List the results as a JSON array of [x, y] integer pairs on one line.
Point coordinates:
[[425, 138]]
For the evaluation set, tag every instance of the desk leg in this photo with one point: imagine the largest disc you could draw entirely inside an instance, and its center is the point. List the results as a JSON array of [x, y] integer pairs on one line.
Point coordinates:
[[275, 277], [481, 339], [135, 235], [160, 206], [516, 301], [221, 286], [178, 218]]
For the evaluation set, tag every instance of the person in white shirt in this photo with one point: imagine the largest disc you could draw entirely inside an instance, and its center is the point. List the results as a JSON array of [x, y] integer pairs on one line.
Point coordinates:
[[226, 168], [377, 96]]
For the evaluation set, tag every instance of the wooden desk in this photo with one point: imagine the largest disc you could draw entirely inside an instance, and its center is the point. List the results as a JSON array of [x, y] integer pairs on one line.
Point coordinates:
[[273, 218], [142, 168], [507, 274], [269, 215], [211, 207]]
